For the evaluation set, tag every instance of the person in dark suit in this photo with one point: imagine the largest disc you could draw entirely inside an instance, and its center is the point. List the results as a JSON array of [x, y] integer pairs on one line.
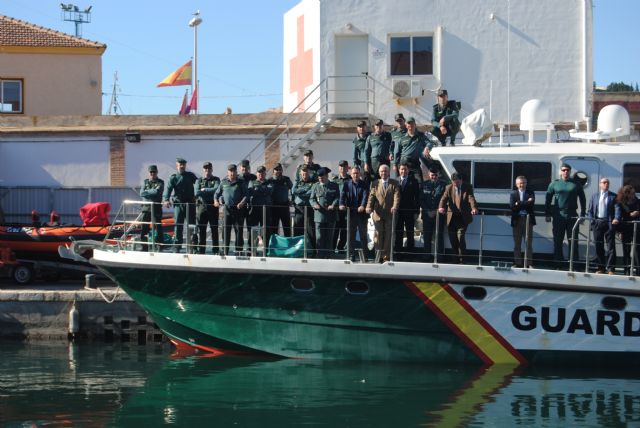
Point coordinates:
[[521, 202], [383, 203], [604, 213], [409, 206], [354, 198], [460, 206]]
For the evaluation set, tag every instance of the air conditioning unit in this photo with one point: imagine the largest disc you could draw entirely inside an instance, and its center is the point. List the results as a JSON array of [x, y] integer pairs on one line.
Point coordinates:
[[406, 88]]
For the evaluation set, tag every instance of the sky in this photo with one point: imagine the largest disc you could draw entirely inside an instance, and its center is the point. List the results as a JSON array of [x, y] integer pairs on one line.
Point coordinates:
[[240, 48]]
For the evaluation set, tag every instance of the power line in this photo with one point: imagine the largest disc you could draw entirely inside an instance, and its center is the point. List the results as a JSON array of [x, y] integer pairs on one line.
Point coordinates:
[[205, 96]]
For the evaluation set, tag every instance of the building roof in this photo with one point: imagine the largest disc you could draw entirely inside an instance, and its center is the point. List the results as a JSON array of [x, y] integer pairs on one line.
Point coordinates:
[[17, 33]]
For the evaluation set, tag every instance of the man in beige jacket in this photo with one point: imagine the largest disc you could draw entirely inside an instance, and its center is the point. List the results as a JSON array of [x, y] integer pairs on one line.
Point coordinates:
[[384, 201]]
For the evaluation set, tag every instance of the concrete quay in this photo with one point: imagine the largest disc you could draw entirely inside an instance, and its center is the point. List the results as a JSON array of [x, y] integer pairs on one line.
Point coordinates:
[[42, 311]]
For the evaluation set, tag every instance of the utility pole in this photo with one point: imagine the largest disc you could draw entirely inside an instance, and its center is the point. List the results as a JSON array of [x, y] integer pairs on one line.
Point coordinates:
[[194, 22], [114, 106]]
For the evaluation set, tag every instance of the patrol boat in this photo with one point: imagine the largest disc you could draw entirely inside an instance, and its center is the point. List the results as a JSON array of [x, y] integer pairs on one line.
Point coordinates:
[[476, 313]]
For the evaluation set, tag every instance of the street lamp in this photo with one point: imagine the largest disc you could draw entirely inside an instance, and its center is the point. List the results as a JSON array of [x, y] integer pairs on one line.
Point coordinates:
[[194, 22]]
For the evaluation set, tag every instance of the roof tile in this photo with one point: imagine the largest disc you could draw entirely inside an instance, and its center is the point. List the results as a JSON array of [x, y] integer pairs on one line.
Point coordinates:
[[14, 32]]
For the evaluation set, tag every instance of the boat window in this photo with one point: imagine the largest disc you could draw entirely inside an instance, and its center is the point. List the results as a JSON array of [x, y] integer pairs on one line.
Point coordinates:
[[358, 288], [474, 293], [614, 303], [463, 167], [302, 284], [538, 174], [492, 175], [582, 178], [631, 175]]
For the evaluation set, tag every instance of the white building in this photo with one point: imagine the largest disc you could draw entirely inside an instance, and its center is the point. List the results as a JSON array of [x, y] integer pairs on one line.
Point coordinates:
[[492, 54]]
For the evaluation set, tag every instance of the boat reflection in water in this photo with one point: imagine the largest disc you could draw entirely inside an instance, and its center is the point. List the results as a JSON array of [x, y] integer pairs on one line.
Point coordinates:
[[240, 391], [140, 386]]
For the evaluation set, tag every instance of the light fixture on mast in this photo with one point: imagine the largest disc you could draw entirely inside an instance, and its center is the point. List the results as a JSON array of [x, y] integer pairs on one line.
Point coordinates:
[[194, 22]]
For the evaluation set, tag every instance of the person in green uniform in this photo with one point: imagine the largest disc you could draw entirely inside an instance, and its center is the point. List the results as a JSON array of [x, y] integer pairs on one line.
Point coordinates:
[[281, 198], [181, 185], [244, 173], [206, 213], [445, 119], [360, 144], [301, 194], [340, 234], [410, 150], [233, 195], [260, 191], [431, 192], [312, 168], [564, 212], [396, 133], [377, 150], [151, 191], [325, 198]]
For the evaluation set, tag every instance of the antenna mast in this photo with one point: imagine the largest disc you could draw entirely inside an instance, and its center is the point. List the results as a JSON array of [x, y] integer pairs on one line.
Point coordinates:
[[114, 106], [72, 13]]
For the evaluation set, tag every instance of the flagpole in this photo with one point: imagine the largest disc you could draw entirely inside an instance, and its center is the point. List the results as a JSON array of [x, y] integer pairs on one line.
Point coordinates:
[[194, 22]]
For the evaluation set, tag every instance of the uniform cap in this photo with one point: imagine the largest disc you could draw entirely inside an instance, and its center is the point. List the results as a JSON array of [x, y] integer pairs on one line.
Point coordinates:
[[442, 92], [399, 116], [379, 122], [262, 168], [323, 171], [411, 120], [180, 160], [207, 165], [362, 124], [244, 162], [231, 167], [308, 152], [565, 165], [153, 168], [343, 163], [278, 166]]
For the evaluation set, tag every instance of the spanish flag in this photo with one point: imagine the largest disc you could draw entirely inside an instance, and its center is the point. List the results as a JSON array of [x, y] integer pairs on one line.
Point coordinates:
[[181, 76]]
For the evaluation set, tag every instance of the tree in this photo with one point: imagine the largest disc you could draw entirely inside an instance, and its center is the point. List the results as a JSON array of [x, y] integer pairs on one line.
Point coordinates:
[[619, 87]]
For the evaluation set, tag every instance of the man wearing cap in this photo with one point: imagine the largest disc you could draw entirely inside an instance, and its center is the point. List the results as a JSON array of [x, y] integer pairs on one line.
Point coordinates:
[[354, 197], [281, 198], [340, 235], [410, 149], [566, 192], [233, 194], [206, 213], [359, 144], [151, 191], [445, 118], [325, 198], [459, 204], [312, 168], [181, 184], [377, 150], [383, 203], [260, 191], [398, 131], [244, 173], [408, 210], [431, 192], [301, 193]]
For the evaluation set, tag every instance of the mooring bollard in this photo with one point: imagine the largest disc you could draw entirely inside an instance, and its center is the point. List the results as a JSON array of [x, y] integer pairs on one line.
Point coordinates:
[[90, 280]]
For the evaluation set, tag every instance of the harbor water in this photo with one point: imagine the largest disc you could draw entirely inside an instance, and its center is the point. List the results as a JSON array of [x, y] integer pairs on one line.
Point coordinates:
[[136, 386]]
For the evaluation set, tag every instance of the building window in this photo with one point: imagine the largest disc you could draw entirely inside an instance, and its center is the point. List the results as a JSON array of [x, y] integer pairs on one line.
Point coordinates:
[[10, 96], [631, 175], [411, 55]]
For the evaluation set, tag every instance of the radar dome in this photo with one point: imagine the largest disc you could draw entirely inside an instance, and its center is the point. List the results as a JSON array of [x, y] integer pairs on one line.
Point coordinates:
[[534, 116], [614, 120]]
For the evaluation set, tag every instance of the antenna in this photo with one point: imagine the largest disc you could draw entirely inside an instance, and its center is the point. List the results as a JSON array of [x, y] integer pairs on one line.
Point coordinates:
[[114, 106], [72, 13]]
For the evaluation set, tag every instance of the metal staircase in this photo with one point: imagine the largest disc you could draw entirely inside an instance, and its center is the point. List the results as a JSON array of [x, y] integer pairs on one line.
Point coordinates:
[[330, 100]]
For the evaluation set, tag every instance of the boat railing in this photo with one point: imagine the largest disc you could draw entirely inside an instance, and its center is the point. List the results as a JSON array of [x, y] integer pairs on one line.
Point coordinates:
[[350, 237]]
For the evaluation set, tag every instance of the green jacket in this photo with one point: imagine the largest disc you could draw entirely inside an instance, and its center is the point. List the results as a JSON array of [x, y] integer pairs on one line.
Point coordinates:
[[313, 171], [409, 149], [566, 193], [205, 189], [281, 190], [396, 135], [151, 191], [322, 197], [430, 195], [378, 148], [359, 146], [302, 192], [340, 181], [231, 194], [182, 187], [449, 112], [260, 193]]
